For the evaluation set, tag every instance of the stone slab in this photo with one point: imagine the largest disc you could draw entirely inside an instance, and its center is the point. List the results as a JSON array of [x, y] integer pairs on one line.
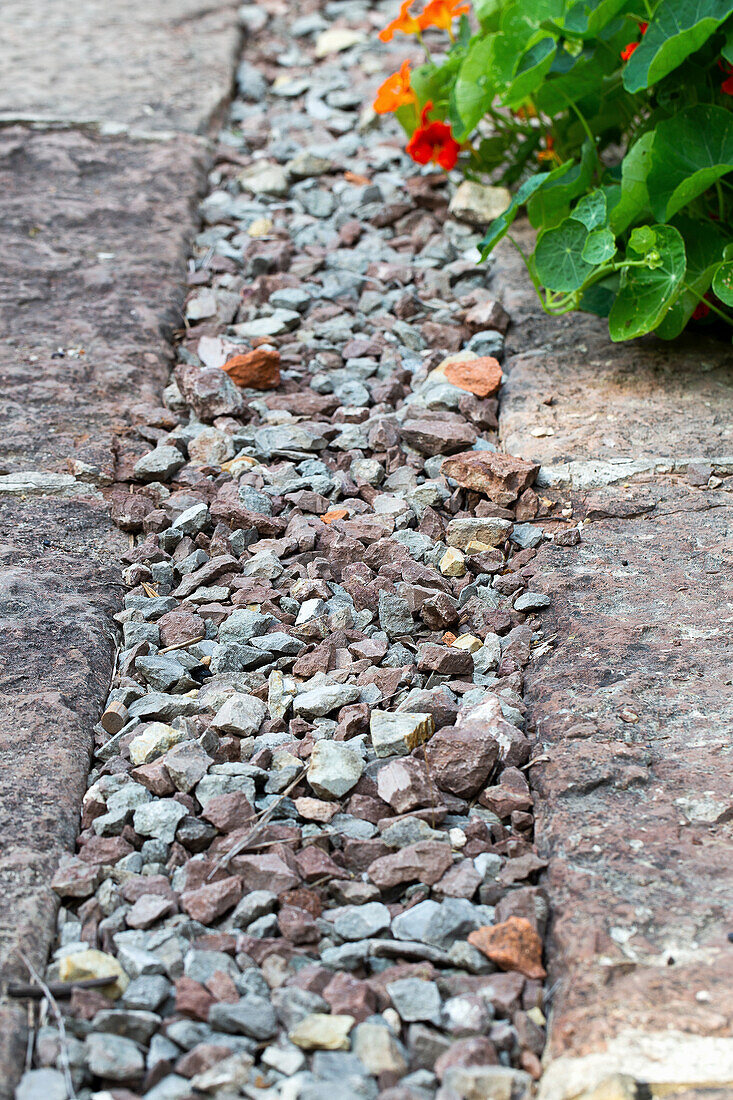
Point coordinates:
[[59, 584], [162, 66], [95, 236], [570, 394], [633, 707], [632, 701]]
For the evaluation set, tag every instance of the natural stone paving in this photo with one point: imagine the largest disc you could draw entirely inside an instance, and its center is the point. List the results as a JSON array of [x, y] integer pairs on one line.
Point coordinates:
[[307, 862]]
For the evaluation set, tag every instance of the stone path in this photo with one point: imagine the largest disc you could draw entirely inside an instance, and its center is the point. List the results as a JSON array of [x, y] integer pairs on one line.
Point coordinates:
[[338, 949], [95, 238], [306, 851]]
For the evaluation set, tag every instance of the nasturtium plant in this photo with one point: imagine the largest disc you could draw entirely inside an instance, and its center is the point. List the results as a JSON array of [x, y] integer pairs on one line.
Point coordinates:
[[611, 122]]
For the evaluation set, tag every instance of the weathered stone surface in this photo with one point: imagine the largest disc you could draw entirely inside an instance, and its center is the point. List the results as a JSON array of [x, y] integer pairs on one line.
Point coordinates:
[[501, 476], [88, 281], [470, 534], [321, 1032], [192, 43], [425, 862], [479, 204], [334, 769], [399, 733]]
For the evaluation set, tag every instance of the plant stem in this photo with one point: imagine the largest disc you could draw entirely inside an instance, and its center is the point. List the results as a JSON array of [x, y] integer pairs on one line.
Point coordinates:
[[711, 305]]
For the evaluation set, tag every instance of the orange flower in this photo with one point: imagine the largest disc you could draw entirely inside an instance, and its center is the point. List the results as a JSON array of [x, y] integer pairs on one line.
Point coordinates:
[[404, 22], [441, 13], [395, 92], [548, 153], [433, 142]]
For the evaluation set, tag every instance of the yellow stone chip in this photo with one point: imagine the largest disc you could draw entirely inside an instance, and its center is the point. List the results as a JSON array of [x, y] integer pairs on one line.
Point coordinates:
[[321, 1031], [94, 964]]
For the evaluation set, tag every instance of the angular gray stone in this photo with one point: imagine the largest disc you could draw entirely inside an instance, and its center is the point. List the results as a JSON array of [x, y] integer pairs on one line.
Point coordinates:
[[395, 617], [253, 1016], [113, 1057], [159, 819], [362, 922], [159, 464], [321, 700], [399, 732], [334, 768], [415, 1000], [241, 715], [531, 601]]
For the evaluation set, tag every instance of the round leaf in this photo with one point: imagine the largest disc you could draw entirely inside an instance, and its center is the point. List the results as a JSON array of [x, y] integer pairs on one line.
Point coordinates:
[[723, 283], [647, 293], [691, 151], [559, 259], [591, 210], [600, 245], [678, 28]]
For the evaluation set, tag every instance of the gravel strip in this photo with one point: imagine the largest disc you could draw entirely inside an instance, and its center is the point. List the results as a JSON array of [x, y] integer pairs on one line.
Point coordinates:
[[306, 860]]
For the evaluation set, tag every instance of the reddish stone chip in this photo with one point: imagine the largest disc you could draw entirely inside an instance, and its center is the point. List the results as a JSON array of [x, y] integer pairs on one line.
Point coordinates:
[[258, 369], [481, 377], [513, 945]]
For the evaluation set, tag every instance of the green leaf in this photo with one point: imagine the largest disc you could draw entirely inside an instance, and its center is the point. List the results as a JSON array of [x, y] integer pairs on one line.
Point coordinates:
[[500, 227], [642, 239], [634, 199], [474, 89], [565, 183], [588, 19], [532, 70], [678, 28], [723, 283], [433, 82], [600, 246], [727, 49], [486, 10], [558, 257], [600, 297], [702, 247], [690, 152], [591, 210], [647, 293]]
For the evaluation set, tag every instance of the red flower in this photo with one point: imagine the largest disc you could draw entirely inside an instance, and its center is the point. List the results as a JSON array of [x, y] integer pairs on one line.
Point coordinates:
[[395, 92], [727, 86], [629, 49], [701, 310], [433, 142]]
